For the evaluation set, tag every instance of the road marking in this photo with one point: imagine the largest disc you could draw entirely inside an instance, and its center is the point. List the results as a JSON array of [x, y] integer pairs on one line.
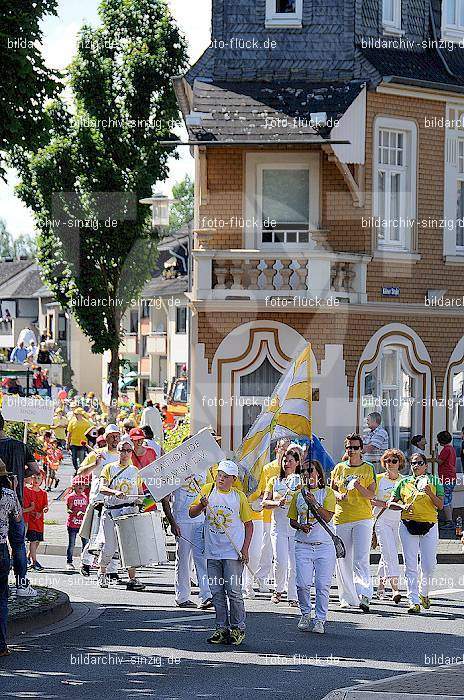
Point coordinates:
[[446, 591], [184, 619]]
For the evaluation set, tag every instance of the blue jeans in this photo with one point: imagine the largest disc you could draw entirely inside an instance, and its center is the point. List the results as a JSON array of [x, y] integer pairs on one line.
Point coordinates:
[[4, 571], [72, 534], [77, 455], [17, 539], [225, 582]]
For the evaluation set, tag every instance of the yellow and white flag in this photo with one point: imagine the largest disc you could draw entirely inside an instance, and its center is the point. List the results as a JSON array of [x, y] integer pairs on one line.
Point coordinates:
[[288, 414]]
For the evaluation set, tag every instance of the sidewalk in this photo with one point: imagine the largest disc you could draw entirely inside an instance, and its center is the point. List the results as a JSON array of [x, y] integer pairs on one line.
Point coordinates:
[[443, 682]]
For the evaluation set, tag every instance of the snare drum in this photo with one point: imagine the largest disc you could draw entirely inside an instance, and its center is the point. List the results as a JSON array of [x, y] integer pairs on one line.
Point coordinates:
[[141, 539]]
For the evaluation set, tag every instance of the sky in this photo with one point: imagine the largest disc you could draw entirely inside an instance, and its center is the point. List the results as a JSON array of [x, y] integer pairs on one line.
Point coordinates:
[[194, 19]]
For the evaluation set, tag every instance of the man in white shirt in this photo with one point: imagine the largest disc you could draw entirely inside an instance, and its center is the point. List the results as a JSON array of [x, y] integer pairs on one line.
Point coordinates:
[[152, 417], [376, 441]]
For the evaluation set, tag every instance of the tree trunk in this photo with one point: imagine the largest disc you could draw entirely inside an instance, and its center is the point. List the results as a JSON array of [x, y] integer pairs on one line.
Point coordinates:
[[113, 380]]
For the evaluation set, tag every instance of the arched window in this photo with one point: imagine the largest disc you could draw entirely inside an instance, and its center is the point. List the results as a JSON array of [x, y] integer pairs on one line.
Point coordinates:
[[255, 388]]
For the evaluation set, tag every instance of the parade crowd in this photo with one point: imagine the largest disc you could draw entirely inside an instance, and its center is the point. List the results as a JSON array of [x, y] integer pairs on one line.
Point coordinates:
[[290, 535]]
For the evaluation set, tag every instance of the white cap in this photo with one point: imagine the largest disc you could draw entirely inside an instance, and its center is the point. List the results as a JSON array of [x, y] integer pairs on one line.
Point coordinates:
[[228, 467], [111, 428], [124, 441]]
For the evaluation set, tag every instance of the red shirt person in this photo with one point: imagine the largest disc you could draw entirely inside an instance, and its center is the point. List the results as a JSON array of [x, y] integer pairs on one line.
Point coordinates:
[[141, 455]]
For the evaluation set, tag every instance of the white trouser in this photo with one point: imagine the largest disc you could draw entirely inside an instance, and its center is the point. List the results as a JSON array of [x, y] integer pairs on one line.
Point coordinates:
[[265, 560], [353, 572], [283, 545], [88, 558], [314, 561], [254, 555], [107, 533], [389, 541], [426, 546], [185, 552]]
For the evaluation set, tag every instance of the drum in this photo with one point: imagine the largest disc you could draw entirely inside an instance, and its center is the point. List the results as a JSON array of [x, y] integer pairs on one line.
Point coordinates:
[[141, 539]]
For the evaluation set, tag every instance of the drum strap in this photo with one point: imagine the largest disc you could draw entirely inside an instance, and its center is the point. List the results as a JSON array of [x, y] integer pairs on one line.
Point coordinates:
[[119, 474]]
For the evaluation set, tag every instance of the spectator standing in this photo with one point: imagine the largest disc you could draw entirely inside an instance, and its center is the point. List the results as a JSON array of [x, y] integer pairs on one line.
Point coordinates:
[[35, 505], [447, 473], [21, 463], [376, 441], [77, 427], [76, 505], [152, 417], [19, 353], [10, 509], [418, 443]]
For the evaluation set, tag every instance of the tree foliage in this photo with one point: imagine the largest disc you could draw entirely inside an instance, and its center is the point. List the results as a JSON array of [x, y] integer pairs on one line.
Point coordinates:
[[96, 247], [182, 210], [24, 244], [26, 83]]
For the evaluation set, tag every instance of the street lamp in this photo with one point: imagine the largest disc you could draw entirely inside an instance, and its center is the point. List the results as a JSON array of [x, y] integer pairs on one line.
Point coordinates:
[[160, 207]]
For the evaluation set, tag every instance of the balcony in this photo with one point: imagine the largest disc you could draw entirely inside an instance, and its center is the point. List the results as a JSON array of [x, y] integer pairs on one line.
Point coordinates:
[[129, 344], [257, 275], [157, 344]]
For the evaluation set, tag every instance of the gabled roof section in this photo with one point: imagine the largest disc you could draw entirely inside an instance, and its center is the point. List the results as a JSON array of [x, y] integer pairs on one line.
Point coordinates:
[[11, 268], [261, 111], [24, 284]]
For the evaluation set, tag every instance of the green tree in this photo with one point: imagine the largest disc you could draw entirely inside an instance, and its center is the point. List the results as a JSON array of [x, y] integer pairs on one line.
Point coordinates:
[[24, 244], [26, 82], [182, 210], [96, 247]]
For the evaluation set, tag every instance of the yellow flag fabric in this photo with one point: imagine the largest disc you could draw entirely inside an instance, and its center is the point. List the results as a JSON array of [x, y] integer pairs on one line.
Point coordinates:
[[288, 414]]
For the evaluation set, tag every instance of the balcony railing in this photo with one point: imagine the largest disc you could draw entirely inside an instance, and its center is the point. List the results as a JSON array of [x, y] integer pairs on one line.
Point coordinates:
[[253, 274], [156, 344], [129, 344]]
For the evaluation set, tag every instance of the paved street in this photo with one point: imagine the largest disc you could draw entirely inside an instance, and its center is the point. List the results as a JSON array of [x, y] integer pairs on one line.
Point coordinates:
[[118, 644]]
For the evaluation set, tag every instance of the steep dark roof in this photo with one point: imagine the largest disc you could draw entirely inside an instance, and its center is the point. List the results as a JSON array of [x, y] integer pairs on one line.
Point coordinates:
[[250, 111], [158, 287], [9, 269], [24, 284], [423, 66]]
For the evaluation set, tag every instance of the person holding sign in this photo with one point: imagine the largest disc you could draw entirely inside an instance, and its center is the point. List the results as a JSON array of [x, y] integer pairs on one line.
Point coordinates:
[[422, 495], [228, 532]]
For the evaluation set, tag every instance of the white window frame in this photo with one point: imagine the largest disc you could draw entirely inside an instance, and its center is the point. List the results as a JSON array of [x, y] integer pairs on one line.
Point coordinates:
[[283, 19], [255, 165], [408, 206], [452, 31], [453, 137], [392, 26]]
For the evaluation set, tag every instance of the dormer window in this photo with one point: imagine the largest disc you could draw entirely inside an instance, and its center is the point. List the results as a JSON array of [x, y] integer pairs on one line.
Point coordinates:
[[391, 16], [453, 19], [284, 13]]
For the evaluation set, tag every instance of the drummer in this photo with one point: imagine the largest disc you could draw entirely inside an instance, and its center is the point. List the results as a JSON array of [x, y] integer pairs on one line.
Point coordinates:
[[121, 488], [93, 465]]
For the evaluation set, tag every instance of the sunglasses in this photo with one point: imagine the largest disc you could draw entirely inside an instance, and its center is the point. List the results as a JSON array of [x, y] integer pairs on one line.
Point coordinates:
[[353, 447], [126, 449], [417, 464], [394, 460]]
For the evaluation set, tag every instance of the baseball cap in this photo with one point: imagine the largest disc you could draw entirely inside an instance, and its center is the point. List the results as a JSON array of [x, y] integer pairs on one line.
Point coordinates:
[[228, 467], [111, 428], [137, 434]]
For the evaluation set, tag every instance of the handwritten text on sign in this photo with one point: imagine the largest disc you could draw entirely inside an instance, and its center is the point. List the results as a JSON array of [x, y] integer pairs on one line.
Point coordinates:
[[194, 456]]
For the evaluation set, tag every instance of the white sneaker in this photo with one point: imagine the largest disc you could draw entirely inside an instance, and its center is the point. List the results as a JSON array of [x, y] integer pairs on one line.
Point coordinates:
[[318, 627], [263, 587], [70, 567], [250, 595], [305, 623], [103, 581], [26, 592], [344, 605]]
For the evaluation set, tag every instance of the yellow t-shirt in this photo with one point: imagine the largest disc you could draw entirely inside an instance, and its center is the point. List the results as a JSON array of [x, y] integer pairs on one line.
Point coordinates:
[[269, 470], [77, 430], [422, 508], [354, 507], [300, 512]]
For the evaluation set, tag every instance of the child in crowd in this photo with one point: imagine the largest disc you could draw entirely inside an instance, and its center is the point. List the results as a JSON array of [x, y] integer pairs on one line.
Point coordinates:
[[35, 504], [228, 532], [53, 457], [76, 505]]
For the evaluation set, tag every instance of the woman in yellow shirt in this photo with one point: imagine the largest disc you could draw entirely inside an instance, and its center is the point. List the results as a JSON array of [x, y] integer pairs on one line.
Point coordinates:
[[354, 485], [422, 497]]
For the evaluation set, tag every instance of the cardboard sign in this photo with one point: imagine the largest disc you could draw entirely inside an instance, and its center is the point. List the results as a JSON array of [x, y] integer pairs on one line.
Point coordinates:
[[28, 409], [169, 472]]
